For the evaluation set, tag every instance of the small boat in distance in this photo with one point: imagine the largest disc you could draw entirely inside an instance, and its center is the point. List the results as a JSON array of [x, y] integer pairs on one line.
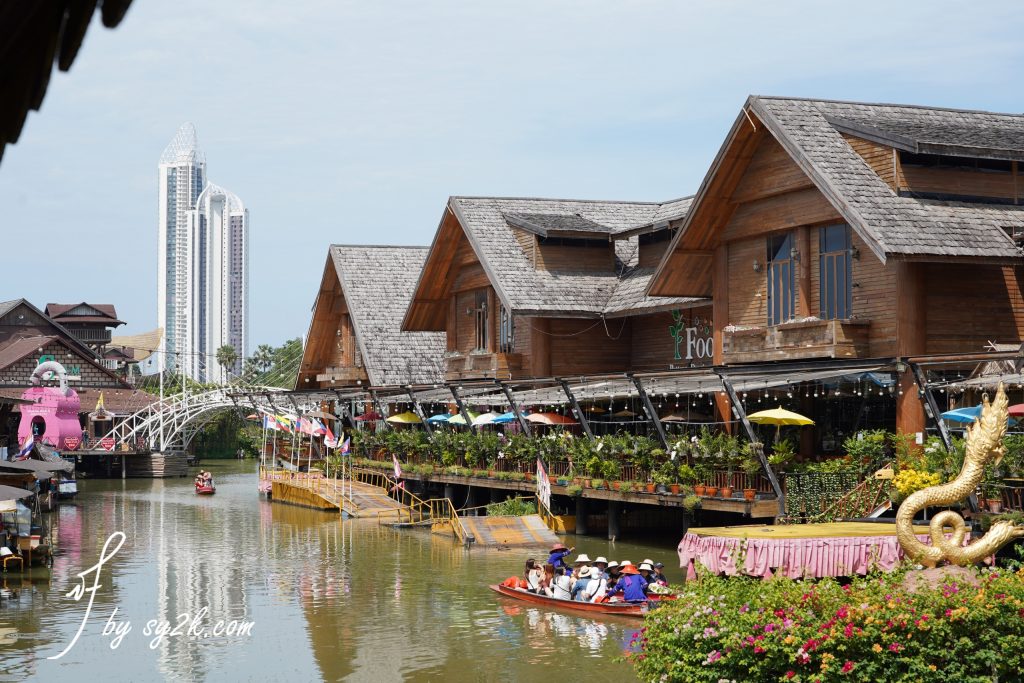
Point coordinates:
[[206, 490], [626, 609]]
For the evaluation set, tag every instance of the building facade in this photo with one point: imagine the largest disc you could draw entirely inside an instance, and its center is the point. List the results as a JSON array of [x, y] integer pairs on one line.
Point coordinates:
[[202, 292]]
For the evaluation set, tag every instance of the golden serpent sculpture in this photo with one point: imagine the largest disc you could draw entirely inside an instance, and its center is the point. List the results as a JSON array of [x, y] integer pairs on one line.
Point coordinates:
[[984, 445]]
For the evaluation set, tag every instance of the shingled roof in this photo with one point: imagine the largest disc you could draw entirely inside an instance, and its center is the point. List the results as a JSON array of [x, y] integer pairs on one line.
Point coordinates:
[[892, 225], [377, 282], [529, 291]]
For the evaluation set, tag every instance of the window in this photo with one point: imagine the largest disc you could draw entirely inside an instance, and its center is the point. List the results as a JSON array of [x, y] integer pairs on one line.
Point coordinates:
[[480, 320], [781, 289], [506, 330], [835, 286]]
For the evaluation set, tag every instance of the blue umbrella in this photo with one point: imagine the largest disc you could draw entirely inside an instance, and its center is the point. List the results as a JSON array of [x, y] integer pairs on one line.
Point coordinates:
[[440, 417], [505, 418], [965, 415]]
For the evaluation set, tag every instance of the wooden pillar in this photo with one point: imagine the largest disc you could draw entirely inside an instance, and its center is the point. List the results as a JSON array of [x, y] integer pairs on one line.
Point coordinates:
[[803, 282], [807, 434], [911, 339], [581, 516], [614, 513], [720, 319], [540, 347]]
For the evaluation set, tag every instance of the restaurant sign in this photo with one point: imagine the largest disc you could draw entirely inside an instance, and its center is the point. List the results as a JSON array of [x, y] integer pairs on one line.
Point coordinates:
[[694, 342]]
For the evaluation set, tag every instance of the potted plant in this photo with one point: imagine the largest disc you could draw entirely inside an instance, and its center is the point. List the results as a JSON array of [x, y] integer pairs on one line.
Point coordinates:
[[597, 483], [993, 497], [751, 465], [666, 476], [574, 490]]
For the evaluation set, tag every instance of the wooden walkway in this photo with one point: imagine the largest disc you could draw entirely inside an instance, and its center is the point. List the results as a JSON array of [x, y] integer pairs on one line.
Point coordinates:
[[356, 499], [521, 532]]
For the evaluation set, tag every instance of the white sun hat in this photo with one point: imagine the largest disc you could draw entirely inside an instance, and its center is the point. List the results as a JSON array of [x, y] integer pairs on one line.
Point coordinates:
[[582, 557]]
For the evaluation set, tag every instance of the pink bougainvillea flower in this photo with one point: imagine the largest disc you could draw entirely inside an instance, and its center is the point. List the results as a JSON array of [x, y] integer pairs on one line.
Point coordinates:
[[848, 667], [895, 647]]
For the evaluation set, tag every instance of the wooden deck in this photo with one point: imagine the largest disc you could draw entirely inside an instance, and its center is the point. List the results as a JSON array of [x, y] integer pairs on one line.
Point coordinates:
[[528, 531], [356, 499]]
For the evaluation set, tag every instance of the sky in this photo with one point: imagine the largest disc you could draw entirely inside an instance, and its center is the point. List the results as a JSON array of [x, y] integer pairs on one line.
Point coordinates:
[[353, 122]]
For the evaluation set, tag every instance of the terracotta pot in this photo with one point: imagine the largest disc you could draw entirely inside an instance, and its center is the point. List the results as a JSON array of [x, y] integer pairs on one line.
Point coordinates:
[[725, 492], [617, 485], [674, 488], [749, 494], [700, 489], [650, 488], [490, 474], [529, 476], [587, 483], [995, 506], [711, 491]]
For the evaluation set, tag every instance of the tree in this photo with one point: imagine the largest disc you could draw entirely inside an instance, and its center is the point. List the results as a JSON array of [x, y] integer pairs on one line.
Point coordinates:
[[226, 357], [263, 357]]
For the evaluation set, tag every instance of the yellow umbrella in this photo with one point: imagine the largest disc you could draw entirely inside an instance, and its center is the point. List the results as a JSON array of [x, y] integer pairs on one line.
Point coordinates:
[[459, 420], [406, 418], [779, 416]]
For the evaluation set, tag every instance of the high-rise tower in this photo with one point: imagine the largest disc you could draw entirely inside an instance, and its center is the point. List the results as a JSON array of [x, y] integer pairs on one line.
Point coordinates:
[[203, 274]]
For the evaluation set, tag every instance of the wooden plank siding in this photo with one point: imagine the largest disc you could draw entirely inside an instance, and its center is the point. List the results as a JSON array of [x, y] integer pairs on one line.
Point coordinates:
[[331, 356], [652, 346], [582, 347], [968, 306], [771, 172], [881, 159], [599, 257], [963, 182]]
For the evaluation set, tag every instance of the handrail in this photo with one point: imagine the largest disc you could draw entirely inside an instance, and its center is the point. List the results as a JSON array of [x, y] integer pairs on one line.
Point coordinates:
[[419, 510], [545, 515]]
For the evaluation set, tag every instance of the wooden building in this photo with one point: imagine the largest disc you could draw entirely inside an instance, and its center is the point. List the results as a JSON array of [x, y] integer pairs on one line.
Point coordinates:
[[90, 323], [532, 288], [354, 337], [841, 230]]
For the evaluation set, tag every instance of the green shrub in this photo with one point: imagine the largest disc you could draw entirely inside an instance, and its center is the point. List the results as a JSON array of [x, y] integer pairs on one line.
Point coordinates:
[[513, 507], [873, 629]]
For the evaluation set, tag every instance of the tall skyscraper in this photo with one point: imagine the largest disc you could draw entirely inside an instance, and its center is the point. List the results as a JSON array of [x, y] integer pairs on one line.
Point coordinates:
[[203, 273]]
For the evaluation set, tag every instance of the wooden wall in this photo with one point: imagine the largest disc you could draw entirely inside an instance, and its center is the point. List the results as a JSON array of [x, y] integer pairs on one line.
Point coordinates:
[[882, 159], [597, 258], [968, 306], [581, 346], [652, 346], [331, 343]]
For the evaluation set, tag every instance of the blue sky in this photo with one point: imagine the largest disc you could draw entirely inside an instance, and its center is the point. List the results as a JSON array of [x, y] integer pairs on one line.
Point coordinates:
[[352, 122]]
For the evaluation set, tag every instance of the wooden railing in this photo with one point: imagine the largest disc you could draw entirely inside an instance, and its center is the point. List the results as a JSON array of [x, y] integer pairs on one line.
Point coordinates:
[[415, 510]]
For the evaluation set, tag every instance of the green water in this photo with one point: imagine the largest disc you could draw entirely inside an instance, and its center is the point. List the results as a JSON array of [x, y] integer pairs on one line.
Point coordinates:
[[327, 599]]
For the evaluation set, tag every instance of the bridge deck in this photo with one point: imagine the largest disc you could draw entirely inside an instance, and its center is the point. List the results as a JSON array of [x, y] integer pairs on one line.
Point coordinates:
[[527, 531], [355, 498]]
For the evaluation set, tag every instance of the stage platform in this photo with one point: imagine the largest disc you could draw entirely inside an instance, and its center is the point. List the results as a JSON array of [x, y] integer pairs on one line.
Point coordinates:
[[796, 550]]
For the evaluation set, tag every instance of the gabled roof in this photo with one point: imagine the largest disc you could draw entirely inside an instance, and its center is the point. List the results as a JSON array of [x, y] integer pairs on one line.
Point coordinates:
[[17, 349], [66, 334], [377, 283], [893, 226], [84, 312], [487, 224]]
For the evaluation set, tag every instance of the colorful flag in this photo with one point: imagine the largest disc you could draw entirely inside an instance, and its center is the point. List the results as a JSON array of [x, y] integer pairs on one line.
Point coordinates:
[[330, 441], [543, 485], [283, 423], [346, 447], [398, 468], [329, 436], [270, 422], [26, 447]]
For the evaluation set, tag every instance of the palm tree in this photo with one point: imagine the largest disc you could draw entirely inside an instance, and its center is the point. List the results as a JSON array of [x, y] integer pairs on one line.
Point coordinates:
[[263, 357], [226, 357]]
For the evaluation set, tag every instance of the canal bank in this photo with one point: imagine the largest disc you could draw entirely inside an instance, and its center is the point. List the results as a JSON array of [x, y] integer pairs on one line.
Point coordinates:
[[328, 599]]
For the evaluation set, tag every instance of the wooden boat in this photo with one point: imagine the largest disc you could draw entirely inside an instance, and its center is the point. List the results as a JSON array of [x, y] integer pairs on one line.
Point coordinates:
[[206, 490], [627, 609]]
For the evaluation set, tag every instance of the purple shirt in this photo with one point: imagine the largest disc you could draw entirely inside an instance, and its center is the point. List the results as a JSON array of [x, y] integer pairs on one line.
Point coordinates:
[[632, 587], [556, 558]]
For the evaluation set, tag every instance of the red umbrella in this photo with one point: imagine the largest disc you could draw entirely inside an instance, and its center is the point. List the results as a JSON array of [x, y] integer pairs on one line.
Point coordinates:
[[1016, 410], [367, 417], [254, 416]]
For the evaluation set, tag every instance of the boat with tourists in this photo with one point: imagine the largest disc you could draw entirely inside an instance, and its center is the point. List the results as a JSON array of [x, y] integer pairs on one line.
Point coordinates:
[[626, 609], [204, 484]]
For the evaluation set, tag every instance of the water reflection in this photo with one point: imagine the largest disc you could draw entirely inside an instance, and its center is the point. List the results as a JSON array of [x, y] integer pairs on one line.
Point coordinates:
[[331, 600]]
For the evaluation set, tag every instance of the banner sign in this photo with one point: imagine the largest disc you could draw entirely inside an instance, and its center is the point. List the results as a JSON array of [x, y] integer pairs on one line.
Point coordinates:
[[71, 443], [107, 443], [543, 485]]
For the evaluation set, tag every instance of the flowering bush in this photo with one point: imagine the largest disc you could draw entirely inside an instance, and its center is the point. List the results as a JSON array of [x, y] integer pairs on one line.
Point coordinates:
[[873, 629], [908, 481]]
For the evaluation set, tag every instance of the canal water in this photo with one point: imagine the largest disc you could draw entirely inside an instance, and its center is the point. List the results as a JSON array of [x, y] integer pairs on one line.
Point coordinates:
[[297, 595]]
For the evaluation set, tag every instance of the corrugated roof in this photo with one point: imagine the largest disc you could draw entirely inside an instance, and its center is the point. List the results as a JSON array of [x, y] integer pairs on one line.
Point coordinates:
[[378, 282], [894, 225]]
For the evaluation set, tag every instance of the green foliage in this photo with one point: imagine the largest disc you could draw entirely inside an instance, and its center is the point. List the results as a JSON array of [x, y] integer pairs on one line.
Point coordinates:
[[867, 449], [874, 629], [573, 490], [513, 507]]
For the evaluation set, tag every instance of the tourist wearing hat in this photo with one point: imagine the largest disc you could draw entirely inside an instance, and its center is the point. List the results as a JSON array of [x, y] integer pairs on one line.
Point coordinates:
[[632, 586], [558, 554], [582, 577], [602, 565], [645, 569], [612, 572], [561, 587], [596, 587], [658, 576]]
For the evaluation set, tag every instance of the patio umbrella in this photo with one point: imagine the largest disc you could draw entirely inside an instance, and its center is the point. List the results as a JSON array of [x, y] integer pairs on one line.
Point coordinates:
[[624, 413], [506, 418], [370, 416], [596, 410], [321, 415], [459, 420], [693, 417], [406, 418], [254, 416], [779, 417], [440, 417], [1016, 410], [484, 419], [965, 415], [550, 419]]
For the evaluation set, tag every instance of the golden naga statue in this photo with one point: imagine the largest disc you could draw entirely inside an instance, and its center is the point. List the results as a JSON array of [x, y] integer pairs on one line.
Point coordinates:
[[984, 445]]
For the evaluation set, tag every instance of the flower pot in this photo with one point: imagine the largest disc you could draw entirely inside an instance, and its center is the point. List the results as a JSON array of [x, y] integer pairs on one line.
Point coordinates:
[[700, 489], [674, 488], [490, 474], [995, 505], [749, 494], [660, 488], [587, 483], [529, 476], [711, 491], [650, 488], [617, 485], [725, 492]]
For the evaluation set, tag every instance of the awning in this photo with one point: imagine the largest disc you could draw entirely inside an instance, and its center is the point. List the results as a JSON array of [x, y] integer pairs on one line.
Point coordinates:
[[37, 467], [12, 493]]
